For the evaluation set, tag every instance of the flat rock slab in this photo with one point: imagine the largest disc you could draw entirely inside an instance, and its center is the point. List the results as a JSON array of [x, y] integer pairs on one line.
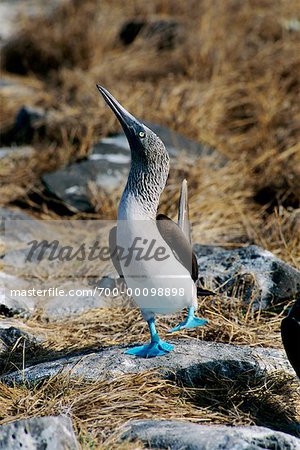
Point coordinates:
[[190, 361], [177, 435], [39, 433], [255, 273], [108, 164]]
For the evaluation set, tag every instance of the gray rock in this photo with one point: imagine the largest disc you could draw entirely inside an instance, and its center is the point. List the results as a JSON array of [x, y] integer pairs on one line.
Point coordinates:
[[164, 34], [175, 435], [10, 336], [107, 167], [17, 229], [8, 86], [10, 303], [256, 273], [14, 341], [17, 297], [108, 164], [7, 215], [10, 11], [11, 214], [16, 153], [176, 143], [58, 307], [39, 433], [28, 121], [191, 361], [44, 271]]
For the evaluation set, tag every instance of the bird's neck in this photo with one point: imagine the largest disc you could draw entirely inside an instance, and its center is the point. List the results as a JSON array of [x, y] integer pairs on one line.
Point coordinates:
[[140, 199]]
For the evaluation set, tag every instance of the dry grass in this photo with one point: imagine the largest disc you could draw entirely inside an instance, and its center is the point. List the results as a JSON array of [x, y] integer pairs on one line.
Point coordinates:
[[99, 409], [231, 82], [236, 91]]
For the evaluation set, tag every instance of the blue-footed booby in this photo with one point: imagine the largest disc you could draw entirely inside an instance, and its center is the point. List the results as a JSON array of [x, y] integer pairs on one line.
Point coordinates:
[[163, 284]]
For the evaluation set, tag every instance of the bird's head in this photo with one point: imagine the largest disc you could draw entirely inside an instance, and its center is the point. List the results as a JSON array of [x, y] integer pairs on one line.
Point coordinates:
[[147, 149]]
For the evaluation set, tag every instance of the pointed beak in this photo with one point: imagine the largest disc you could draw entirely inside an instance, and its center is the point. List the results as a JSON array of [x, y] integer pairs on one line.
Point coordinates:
[[129, 123]]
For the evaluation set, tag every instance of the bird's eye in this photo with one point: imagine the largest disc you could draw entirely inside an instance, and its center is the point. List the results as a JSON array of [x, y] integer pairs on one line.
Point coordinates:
[[142, 134]]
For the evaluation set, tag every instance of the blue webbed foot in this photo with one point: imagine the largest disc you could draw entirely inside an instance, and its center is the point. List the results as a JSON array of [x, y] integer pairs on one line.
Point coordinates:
[[151, 350], [190, 322]]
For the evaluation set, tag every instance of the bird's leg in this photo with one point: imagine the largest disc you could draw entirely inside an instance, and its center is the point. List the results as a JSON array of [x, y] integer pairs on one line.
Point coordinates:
[[157, 347], [190, 322]]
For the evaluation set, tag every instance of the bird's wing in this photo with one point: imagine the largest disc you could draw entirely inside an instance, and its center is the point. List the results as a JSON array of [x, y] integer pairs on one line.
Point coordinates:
[[178, 243], [290, 333], [112, 242], [178, 238]]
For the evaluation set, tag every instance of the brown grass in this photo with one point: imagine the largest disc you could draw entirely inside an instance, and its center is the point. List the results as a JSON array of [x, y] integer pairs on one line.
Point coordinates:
[[236, 90], [99, 409], [233, 83]]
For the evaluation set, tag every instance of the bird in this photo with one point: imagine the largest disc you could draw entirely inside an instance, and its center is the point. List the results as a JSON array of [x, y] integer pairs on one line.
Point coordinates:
[[290, 334], [160, 285]]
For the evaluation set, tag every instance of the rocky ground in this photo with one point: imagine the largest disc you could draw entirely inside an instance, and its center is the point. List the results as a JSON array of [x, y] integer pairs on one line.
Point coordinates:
[[225, 106]]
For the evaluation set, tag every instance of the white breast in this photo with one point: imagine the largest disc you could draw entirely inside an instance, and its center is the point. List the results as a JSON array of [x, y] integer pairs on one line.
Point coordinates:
[[160, 284]]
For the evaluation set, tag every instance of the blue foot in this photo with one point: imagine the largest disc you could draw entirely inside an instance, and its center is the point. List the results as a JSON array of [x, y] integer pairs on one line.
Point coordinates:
[[190, 322], [150, 350]]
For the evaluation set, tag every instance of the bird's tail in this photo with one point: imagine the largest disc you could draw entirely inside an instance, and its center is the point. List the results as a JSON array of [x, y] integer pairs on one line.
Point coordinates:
[[201, 292], [183, 212], [185, 226]]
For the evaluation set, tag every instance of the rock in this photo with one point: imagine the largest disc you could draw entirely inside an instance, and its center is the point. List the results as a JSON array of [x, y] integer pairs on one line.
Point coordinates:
[[10, 335], [8, 16], [191, 361], [7, 215], [39, 433], [10, 302], [42, 278], [11, 214], [18, 298], [108, 164], [14, 342], [28, 121], [58, 307], [176, 435], [16, 153], [107, 167], [290, 333], [130, 30], [10, 10], [176, 143], [263, 278], [164, 34], [291, 25], [13, 89], [15, 227]]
